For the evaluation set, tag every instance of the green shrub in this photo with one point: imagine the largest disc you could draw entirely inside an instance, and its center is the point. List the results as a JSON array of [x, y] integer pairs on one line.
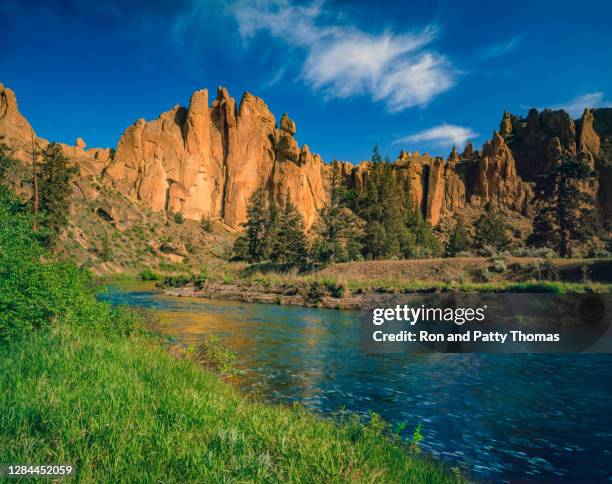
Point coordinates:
[[176, 281], [178, 218], [147, 274], [481, 274], [207, 225], [335, 289], [212, 355], [36, 290], [315, 292]]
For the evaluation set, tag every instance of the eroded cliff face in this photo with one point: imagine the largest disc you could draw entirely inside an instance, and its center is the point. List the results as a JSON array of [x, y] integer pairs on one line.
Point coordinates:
[[207, 159], [444, 187]]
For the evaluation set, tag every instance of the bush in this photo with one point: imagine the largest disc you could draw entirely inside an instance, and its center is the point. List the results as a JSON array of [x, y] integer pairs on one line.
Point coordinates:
[[481, 274], [499, 265], [207, 225], [335, 289], [541, 252], [176, 281], [212, 355], [596, 252], [315, 292], [36, 290], [487, 251], [178, 218], [148, 274]]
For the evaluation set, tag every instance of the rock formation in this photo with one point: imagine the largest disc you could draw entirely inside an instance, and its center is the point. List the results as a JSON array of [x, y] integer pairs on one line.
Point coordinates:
[[206, 160]]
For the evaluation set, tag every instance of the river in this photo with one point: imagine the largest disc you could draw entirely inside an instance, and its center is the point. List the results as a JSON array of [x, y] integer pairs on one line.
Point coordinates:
[[501, 417]]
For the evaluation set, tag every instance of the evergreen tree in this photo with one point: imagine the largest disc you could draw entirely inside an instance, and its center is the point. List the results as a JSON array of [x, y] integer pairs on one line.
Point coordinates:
[[420, 240], [55, 178], [381, 206], [6, 162], [336, 227], [492, 229], [566, 208], [250, 246], [289, 248], [272, 228], [459, 240]]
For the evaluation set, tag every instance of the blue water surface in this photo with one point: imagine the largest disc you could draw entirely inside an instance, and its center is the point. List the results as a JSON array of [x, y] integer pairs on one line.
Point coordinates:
[[500, 417]]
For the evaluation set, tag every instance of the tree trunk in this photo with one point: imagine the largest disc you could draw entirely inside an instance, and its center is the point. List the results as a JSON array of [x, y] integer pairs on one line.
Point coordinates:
[[35, 186]]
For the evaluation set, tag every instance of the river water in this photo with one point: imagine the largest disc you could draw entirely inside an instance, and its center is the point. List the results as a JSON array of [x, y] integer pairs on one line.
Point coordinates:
[[501, 417]]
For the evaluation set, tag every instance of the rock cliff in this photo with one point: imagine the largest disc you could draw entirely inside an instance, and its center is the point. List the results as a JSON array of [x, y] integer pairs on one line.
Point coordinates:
[[205, 160]]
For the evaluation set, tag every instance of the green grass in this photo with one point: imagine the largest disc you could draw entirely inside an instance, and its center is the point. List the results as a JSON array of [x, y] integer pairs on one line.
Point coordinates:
[[122, 409]]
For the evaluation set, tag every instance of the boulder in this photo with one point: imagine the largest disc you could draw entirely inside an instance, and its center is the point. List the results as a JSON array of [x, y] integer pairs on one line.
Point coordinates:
[[287, 125]]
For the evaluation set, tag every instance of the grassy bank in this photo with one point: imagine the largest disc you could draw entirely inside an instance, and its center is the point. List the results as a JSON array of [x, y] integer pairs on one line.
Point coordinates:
[[121, 409], [366, 284], [85, 384]]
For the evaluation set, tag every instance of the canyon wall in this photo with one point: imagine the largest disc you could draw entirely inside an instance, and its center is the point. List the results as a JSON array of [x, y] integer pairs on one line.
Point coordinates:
[[206, 160]]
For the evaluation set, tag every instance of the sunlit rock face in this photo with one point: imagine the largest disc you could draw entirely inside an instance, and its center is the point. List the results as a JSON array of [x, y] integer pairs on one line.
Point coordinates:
[[207, 159]]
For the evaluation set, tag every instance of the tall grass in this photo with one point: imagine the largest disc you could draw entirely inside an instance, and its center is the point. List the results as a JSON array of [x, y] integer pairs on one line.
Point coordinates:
[[121, 409]]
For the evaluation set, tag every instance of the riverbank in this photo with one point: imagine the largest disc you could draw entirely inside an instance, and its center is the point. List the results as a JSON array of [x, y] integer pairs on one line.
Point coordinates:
[[89, 385], [331, 295], [362, 285], [123, 409]]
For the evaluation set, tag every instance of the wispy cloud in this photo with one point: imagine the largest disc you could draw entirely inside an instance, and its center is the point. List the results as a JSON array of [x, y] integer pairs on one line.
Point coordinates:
[[499, 49], [589, 100], [443, 135], [399, 69]]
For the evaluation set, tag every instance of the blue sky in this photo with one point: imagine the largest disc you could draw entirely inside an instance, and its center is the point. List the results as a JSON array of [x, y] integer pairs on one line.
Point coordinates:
[[418, 75]]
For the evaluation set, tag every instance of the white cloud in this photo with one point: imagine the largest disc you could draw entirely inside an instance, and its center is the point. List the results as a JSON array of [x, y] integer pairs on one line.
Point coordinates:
[[341, 61], [589, 100], [499, 49], [443, 135]]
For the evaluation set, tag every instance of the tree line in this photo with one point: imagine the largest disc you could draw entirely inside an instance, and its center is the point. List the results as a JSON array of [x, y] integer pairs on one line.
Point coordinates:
[[379, 221], [50, 181], [383, 221]]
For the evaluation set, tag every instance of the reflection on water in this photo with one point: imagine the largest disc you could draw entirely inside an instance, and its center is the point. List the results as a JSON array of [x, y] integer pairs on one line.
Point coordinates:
[[502, 416]]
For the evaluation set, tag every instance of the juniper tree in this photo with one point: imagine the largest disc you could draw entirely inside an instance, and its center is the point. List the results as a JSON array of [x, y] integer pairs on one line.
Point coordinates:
[[566, 209], [492, 229], [420, 240], [250, 246], [6, 161], [272, 227], [55, 190], [381, 206], [394, 224], [337, 227], [289, 247], [459, 239]]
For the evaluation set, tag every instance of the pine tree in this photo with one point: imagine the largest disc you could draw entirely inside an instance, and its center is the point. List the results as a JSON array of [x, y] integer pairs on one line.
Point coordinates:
[[336, 227], [55, 190], [419, 240], [492, 229], [6, 162], [289, 248], [459, 240], [566, 208], [250, 246], [272, 228], [381, 206]]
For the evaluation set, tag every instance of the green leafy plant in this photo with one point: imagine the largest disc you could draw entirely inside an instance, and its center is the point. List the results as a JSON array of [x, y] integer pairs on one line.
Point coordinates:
[[416, 439]]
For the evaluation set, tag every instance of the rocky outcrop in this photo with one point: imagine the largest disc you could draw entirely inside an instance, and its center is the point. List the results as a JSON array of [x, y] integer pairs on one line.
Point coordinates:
[[531, 140], [595, 139], [207, 159]]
